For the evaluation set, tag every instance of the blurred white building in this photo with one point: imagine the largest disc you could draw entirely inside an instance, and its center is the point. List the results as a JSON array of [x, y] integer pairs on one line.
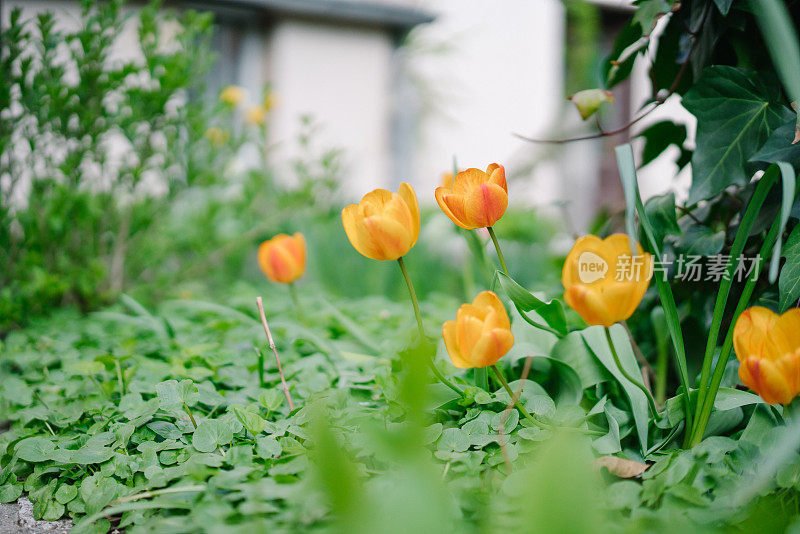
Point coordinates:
[[405, 86]]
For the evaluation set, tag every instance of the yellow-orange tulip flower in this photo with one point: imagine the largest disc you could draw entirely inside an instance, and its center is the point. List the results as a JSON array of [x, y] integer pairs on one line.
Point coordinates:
[[476, 199], [283, 258], [603, 281], [384, 225], [233, 95], [481, 333], [768, 348]]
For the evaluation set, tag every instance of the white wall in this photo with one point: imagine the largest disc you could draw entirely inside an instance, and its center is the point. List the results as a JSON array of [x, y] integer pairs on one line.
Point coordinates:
[[500, 72], [342, 77]]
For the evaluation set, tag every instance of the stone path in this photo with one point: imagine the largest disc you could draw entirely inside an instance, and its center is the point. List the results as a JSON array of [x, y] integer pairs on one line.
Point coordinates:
[[17, 518]]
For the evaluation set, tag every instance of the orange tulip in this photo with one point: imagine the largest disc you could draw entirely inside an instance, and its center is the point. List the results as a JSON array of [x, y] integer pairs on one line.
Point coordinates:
[[476, 199], [384, 225], [481, 333], [602, 281], [768, 348], [283, 258]]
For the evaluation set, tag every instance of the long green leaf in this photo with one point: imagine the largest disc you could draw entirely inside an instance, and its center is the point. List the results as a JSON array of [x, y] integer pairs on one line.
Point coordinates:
[[749, 218], [789, 187], [779, 33], [627, 172]]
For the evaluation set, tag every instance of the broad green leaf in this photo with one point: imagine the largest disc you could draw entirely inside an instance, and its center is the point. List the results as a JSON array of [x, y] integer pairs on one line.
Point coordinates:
[[10, 492], [736, 110], [572, 350], [596, 341], [211, 434], [173, 394], [165, 429], [648, 12], [268, 447], [789, 281], [723, 5], [453, 439], [36, 449], [552, 312], [726, 399], [66, 492], [253, 422]]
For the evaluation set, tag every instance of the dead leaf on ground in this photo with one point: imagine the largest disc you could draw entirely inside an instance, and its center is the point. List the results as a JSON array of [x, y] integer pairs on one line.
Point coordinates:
[[620, 467]]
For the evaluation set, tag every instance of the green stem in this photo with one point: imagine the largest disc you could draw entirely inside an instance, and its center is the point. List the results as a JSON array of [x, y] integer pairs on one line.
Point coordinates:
[[482, 378], [298, 307], [260, 357], [516, 402], [191, 417], [497, 248], [662, 359], [422, 334], [120, 378], [707, 406], [626, 374]]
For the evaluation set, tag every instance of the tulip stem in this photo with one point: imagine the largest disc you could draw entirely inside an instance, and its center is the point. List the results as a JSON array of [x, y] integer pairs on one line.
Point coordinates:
[[422, 334], [497, 248], [296, 299], [516, 402], [626, 374]]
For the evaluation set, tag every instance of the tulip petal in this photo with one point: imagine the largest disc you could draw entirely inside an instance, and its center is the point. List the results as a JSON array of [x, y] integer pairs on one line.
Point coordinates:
[[487, 299], [384, 238], [453, 206], [485, 205], [468, 331], [750, 334], [350, 218], [763, 377], [785, 332], [468, 180], [451, 344], [589, 305], [408, 195], [497, 175], [491, 347]]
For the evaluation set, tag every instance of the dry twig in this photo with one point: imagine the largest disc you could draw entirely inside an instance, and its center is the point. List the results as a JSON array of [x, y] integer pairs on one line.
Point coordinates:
[[274, 351]]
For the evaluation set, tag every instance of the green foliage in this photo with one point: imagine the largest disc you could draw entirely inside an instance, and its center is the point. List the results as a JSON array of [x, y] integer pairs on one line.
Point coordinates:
[[87, 138]]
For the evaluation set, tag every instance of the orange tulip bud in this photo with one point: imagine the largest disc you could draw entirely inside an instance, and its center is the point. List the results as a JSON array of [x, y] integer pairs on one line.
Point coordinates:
[[768, 348], [603, 281], [481, 333], [283, 258], [476, 199], [384, 225]]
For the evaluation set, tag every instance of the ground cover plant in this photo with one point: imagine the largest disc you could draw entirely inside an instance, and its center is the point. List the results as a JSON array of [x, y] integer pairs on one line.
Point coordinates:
[[610, 402]]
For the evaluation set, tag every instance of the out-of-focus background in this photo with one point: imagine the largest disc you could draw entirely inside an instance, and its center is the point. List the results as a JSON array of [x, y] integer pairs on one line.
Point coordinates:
[[127, 167], [405, 86]]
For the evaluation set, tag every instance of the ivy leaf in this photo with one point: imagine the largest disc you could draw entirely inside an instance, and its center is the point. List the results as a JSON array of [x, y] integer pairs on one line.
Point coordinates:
[[779, 147], [737, 110], [660, 136], [789, 281], [211, 434], [700, 241]]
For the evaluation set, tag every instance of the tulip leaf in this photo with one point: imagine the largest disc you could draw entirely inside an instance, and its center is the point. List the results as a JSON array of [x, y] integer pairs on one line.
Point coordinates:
[[595, 339], [551, 312], [789, 181]]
